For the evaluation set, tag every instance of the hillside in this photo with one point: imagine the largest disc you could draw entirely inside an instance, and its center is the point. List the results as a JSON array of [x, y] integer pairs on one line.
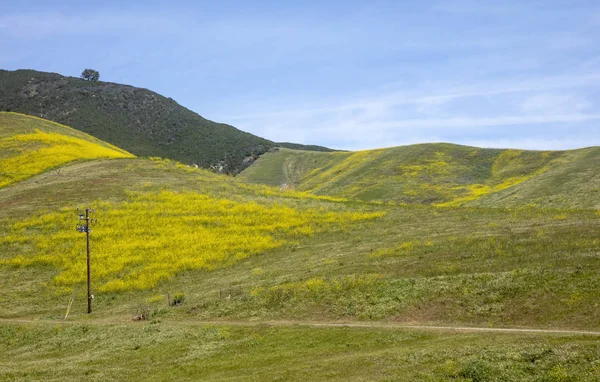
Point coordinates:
[[137, 120], [572, 182], [440, 174], [30, 145], [269, 275], [166, 228]]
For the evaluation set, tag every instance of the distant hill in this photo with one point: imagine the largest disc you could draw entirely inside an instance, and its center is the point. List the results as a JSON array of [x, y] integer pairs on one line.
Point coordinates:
[[31, 145], [440, 174], [297, 146], [137, 120]]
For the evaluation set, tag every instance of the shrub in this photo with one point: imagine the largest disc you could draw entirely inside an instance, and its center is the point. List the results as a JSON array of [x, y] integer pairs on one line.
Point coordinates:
[[178, 299]]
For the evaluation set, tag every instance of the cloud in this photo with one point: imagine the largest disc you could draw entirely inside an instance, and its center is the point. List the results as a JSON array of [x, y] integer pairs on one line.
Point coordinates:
[[436, 98], [40, 25], [553, 103], [494, 131], [475, 122], [448, 114]]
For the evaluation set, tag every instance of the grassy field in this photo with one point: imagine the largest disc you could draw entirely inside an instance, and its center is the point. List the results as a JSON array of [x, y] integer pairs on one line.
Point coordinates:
[[160, 351], [440, 174], [243, 254]]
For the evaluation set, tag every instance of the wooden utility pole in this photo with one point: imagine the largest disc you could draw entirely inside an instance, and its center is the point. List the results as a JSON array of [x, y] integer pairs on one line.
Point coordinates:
[[89, 282], [86, 228]]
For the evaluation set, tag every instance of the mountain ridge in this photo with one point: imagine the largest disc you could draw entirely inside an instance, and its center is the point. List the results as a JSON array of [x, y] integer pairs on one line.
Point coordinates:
[[138, 120]]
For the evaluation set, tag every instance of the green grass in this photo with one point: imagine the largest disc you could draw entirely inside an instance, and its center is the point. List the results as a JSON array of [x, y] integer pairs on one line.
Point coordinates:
[[170, 351], [440, 174], [574, 183]]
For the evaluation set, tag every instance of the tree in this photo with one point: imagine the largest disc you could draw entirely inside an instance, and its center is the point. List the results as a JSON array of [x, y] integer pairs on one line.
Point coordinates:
[[90, 75]]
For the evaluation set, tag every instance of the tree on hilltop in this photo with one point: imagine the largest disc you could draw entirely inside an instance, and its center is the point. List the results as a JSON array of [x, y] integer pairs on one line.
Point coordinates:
[[90, 75]]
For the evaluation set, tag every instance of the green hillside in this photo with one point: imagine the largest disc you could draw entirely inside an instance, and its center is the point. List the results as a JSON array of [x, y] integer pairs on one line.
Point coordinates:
[[295, 255], [572, 182], [137, 120], [269, 275], [304, 261], [32, 145], [439, 174]]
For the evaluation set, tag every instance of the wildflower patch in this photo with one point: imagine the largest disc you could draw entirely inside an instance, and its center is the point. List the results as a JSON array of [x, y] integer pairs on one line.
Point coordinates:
[[153, 236], [24, 155]]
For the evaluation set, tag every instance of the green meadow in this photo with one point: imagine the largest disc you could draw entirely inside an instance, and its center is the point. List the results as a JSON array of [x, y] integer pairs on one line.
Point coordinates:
[[270, 263]]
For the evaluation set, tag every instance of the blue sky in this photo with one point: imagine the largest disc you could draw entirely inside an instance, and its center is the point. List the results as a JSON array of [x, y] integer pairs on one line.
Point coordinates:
[[345, 74]]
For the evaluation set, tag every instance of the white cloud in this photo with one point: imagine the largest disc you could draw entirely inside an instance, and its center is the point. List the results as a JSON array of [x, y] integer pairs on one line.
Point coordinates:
[[373, 132], [435, 98], [447, 114], [475, 122], [554, 103], [39, 25]]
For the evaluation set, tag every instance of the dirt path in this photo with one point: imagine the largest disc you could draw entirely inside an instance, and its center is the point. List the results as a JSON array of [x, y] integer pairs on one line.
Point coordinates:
[[288, 323]]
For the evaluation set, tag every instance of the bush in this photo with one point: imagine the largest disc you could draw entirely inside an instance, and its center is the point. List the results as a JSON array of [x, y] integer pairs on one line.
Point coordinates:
[[178, 299]]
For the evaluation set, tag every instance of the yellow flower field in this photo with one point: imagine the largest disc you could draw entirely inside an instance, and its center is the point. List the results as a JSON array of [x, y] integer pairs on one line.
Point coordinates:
[[153, 236], [31, 145], [39, 151]]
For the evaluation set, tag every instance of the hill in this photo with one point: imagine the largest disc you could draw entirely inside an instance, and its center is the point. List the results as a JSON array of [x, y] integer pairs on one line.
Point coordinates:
[[31, 145], [268, 278], [440, 174], [137, 120], [166, 228]]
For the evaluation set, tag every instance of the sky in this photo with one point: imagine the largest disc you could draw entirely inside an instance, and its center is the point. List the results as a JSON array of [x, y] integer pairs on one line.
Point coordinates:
[[344, 74]]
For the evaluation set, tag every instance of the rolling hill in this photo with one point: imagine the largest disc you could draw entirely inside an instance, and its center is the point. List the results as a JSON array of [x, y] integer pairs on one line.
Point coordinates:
[[283, 284], [31, 145], [137, 120], [440, 174]]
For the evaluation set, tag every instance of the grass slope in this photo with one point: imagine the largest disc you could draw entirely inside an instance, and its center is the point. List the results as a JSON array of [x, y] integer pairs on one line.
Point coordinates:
[[440, 174], [574, 183], [32, 145], [137, 120], [248, 253], [322, 260]]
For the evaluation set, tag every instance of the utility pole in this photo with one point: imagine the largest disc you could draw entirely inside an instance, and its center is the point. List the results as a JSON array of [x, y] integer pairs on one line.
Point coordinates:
[[86, 228]]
